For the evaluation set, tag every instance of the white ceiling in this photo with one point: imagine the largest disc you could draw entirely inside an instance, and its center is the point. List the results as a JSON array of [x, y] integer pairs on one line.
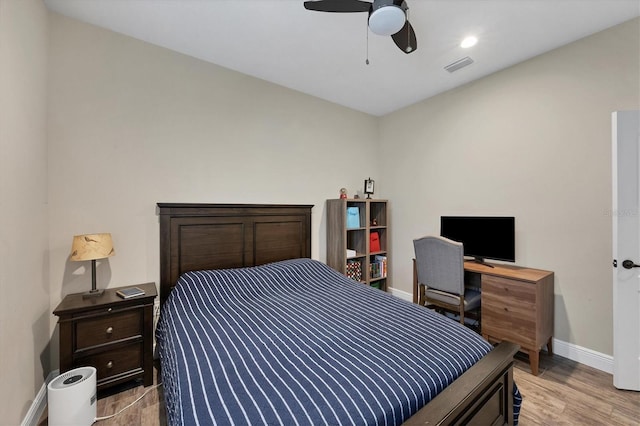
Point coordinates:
[[323, 54]]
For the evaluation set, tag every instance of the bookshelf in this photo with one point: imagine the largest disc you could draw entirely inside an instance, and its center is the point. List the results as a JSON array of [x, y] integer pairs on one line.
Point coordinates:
[[346, 233]]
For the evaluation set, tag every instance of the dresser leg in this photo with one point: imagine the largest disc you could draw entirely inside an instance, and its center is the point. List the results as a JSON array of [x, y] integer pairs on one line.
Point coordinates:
[[550, 346], [534, 359]]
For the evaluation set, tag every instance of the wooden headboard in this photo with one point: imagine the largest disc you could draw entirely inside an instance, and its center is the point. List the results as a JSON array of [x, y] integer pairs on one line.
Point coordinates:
[[216, 236]]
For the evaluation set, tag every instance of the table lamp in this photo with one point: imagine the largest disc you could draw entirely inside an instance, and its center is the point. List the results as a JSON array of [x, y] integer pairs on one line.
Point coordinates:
[[92, 247]]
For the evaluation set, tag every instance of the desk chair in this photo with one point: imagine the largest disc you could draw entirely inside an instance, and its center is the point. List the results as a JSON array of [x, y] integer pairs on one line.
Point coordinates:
[[439, 270]]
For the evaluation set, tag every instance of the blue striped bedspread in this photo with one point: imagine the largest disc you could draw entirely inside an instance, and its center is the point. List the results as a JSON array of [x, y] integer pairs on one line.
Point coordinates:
[[295, 342]]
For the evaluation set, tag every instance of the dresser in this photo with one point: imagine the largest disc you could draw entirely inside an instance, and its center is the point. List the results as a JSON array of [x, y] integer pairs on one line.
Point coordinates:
[[112, 334], [517, 306]]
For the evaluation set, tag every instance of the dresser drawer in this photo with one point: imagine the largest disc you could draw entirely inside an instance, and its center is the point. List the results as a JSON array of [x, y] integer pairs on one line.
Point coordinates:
[[108, 328], [113, 362], [509, 310], [512, 293]]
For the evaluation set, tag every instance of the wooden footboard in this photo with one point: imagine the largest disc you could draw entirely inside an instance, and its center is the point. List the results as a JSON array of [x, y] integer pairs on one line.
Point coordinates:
[[483, 395]]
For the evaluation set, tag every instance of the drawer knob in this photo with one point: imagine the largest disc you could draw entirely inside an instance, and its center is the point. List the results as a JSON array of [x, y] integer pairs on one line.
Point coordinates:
[[109, 330], [110, 364], [109, 310]]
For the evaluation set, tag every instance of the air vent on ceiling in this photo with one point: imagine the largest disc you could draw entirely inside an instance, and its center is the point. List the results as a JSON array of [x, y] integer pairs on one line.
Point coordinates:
[[460, 63]]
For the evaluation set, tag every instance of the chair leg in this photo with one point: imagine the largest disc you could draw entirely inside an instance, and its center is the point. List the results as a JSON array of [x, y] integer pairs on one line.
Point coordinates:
[[415, 282], [461, 311], [422, 301]]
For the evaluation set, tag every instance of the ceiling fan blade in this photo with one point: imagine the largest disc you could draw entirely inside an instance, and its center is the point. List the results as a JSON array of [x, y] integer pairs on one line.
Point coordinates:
[[343, 6], [405, 39]]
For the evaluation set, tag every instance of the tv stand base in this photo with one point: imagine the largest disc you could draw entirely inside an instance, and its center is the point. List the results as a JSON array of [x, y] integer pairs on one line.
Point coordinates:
[[481, 261]]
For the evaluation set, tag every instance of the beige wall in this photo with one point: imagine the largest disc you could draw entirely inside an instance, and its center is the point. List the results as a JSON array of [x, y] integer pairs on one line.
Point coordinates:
[[132, 124], [24, 282], [532, 141]]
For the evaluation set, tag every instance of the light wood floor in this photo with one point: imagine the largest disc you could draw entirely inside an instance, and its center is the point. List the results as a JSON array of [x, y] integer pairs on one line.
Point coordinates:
[[564, 393], [568, 393]]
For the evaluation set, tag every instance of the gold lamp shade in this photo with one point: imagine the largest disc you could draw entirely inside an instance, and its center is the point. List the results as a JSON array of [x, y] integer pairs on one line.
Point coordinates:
[[92, 247]]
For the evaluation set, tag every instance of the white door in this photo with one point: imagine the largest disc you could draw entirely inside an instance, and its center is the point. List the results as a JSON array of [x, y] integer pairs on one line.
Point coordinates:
[[626, 249]]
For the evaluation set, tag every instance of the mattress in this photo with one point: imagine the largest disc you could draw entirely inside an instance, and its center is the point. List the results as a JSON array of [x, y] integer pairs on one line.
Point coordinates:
[[295, 342]]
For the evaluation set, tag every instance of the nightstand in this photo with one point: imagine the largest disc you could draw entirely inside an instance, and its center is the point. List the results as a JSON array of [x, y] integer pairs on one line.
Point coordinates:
[[112, 334]]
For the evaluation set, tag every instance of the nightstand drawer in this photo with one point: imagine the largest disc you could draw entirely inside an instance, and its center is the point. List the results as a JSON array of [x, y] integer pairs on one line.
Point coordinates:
[[114, 362], [108, 328]]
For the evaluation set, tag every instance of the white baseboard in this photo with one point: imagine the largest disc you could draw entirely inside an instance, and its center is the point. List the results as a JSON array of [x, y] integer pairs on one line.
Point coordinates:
[[39, 403], [401, 294], [584, 356], [573, 352]]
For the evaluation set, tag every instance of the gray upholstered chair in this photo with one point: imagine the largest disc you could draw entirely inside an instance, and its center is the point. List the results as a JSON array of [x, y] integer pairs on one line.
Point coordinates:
[[438, 270]]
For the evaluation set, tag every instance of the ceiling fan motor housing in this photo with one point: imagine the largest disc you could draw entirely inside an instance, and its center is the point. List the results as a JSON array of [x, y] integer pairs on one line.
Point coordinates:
[[387, 17]]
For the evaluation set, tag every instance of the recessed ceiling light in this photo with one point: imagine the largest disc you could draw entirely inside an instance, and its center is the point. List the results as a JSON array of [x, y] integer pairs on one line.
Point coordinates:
[[468, 42]]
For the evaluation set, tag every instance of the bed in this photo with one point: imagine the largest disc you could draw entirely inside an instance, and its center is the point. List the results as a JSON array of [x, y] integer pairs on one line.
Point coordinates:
[[252, 331]]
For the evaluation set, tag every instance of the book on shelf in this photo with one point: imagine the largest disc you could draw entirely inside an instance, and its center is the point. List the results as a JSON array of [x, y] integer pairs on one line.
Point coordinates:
[[381, 261], [374, 270], [129, 292]]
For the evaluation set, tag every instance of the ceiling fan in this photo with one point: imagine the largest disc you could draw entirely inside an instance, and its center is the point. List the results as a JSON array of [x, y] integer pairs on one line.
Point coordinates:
[[386, 17]]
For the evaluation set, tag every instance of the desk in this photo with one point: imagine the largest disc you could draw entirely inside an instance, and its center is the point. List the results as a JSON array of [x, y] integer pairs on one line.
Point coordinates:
[[517, 306]]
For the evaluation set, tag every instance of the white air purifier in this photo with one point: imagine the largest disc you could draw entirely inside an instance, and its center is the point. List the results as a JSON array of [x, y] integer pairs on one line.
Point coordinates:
[[72, 398]]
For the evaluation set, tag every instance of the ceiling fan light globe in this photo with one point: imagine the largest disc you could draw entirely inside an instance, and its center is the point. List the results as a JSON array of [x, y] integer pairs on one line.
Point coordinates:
[[387, 20]]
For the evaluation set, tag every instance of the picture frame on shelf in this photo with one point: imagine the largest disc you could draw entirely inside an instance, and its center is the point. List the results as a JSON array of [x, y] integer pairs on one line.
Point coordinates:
[[369, 185]]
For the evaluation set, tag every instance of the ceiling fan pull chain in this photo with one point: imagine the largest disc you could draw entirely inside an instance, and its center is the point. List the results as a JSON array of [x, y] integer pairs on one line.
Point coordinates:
[[367, 60]]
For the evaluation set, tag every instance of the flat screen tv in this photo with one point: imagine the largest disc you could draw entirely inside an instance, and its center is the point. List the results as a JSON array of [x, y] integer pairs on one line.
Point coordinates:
[[483, 237]]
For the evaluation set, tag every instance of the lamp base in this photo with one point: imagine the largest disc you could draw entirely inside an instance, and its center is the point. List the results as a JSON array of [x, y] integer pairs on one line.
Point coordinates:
[[92, 293]]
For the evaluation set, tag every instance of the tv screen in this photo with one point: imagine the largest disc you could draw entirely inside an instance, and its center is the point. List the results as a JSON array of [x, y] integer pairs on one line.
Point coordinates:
[[483, 237]]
